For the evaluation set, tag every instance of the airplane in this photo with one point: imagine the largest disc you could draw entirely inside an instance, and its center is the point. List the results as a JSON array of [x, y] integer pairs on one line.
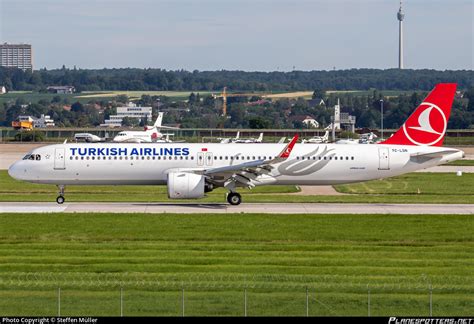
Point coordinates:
[[148, 135], [190, 170], [367, 138], [87, 137], [228, 140], [249, 140], [317, 139]]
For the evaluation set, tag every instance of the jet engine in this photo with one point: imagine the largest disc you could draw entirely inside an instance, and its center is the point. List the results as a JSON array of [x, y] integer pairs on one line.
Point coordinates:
[[184, 185]]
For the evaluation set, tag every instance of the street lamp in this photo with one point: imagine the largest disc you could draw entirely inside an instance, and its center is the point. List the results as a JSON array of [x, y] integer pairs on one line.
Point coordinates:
[[381, 117]]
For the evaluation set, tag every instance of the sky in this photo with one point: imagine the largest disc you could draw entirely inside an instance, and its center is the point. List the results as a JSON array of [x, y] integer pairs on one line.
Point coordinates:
[[249, 35]]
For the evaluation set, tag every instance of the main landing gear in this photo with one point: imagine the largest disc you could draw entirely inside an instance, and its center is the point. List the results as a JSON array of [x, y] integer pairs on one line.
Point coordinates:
[[60, 199], [234, 198]]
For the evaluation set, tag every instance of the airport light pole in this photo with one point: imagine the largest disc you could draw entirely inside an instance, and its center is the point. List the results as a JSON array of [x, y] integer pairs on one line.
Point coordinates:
[[381, 118]]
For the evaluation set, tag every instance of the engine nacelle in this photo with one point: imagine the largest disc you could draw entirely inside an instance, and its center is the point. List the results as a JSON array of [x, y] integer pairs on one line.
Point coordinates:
[[184, 185]]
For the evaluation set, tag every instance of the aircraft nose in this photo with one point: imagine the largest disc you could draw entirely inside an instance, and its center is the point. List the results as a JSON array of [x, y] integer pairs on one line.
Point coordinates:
[[15, 171]]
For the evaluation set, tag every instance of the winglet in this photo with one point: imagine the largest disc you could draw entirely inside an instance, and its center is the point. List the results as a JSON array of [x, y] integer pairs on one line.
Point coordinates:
[[287, 150]]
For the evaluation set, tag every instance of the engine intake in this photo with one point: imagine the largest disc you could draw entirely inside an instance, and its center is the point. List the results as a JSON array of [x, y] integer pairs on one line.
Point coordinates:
[[184, 185]]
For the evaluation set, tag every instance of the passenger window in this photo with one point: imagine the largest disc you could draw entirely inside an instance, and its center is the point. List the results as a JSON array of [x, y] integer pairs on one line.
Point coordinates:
[[352, 158]]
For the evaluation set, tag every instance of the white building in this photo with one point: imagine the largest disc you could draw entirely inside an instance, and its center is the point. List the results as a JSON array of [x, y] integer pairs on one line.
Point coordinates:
[[130, 111], [3, 90], [16, 55], [61, 89]]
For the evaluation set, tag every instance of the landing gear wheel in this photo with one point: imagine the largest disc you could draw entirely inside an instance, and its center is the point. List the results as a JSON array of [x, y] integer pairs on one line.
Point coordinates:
[[60, 200], [234, 198]]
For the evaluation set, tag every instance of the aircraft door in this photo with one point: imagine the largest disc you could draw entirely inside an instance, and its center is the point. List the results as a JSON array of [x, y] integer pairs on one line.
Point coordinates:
[[59, 159], [209, 158], [384, 158], [204, 158], [200, 158]]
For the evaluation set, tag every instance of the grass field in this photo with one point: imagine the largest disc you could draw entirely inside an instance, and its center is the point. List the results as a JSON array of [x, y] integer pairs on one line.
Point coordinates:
[[410, 188], [215, 257]]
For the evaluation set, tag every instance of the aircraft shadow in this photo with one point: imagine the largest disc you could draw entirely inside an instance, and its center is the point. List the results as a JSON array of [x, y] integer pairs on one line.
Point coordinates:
[[203, 206]]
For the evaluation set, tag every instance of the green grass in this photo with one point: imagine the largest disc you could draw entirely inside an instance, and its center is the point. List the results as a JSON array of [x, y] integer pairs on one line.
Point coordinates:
[[215, 257], [87, 96], [462, 163], [433, 188]]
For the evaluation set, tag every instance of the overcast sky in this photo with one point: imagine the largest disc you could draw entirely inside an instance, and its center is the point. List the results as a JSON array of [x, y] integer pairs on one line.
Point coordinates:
[[251, 35]]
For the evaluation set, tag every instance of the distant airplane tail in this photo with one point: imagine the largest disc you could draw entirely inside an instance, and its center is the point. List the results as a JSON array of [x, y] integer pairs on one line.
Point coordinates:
[[428, 123], [260, 138], [159, 120]]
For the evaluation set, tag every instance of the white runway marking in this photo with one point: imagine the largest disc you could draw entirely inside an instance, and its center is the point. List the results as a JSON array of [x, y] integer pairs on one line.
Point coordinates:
[[215, 208]]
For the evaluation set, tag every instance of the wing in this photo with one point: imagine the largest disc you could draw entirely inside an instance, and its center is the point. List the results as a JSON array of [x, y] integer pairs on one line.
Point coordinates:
[[244, 174]]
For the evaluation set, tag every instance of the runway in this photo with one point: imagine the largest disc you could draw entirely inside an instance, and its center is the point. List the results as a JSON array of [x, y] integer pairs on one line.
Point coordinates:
[[215, 208]]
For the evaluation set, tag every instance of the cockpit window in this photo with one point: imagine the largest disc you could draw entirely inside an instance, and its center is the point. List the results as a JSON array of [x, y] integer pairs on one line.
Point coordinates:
[[32, 157]]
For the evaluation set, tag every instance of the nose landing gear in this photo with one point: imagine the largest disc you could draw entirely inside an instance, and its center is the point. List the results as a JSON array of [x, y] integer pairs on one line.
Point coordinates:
[[60, 199]]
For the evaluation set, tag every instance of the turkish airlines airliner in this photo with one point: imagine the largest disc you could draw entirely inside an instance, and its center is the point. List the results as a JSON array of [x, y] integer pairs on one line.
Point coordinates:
[[191, 170]]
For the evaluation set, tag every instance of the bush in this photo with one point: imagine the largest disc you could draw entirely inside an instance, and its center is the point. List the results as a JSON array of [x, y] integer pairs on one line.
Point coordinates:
[[29, 136]]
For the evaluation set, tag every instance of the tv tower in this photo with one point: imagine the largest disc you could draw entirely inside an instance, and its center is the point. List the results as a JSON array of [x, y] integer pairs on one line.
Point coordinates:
[[400, 17]]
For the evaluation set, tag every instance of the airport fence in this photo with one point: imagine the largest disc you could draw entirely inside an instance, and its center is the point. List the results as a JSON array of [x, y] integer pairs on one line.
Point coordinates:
[[453, 137], [54, 294]]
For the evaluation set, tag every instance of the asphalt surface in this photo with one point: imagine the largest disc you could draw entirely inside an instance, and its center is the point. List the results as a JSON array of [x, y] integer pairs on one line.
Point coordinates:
[[215, 208]]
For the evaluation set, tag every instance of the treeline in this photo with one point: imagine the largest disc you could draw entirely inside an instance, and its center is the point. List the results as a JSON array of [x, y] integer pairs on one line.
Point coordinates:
[[243, 112], [159, 79]]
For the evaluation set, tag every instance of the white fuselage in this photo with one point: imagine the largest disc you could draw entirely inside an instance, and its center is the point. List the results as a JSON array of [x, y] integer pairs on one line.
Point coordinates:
[[149, 164], [146, 136]]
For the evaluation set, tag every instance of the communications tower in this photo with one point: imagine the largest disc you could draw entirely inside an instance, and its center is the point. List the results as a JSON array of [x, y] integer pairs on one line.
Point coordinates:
[[400, 17]]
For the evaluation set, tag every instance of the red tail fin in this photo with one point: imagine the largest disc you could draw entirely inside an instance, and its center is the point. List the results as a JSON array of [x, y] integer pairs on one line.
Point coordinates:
[[427, 124]]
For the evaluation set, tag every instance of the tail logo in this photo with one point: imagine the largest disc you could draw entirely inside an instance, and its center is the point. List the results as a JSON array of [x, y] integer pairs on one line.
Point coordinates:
[[427, 126]]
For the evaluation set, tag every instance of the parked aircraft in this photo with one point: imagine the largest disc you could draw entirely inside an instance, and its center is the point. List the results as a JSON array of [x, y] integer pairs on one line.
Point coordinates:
[[238, 139], [317, 139], [148, 135], [87, 137], [191, 169]]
